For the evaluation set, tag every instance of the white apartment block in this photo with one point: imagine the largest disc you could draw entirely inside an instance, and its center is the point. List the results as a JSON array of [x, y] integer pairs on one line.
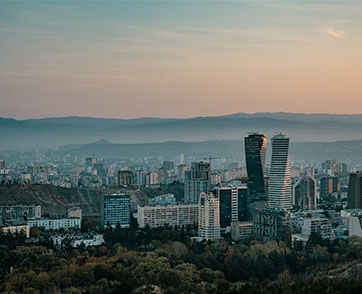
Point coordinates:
[[209, 216], [173, 215], [56, 224]]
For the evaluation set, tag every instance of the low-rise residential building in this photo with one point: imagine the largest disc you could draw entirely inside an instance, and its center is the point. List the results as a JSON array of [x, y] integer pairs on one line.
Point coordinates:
[[20, 211], [241, 231], [76, 240], [75, 212], [166, 199], [16, 229], [317, 224], [56, 224], [320, 225], [299, 238], [270, 223], [91, 240]]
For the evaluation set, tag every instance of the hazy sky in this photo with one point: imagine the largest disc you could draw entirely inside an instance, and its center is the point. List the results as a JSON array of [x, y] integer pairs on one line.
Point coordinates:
[[179, 58]]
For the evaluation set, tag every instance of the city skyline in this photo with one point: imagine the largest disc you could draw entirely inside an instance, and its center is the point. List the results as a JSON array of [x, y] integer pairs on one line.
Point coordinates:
[[184, 59], [180, 146]]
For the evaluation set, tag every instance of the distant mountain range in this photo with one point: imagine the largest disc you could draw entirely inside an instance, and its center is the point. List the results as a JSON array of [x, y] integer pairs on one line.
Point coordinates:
[[346, 151], [55, 132]]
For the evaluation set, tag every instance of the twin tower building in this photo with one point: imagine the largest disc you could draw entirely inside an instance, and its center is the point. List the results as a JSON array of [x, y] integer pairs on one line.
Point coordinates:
[[229, 205], [277, 189]]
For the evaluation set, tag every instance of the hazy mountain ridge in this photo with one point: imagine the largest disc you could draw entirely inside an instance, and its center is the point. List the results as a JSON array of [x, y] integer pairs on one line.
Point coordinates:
[[55, 132], [347, 151]]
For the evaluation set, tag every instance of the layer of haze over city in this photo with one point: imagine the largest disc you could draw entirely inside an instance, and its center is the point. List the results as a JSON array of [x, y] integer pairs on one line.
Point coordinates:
[[128, 59]]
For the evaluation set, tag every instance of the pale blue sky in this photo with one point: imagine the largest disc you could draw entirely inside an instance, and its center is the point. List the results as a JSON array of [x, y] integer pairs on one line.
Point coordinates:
[[179, 58]]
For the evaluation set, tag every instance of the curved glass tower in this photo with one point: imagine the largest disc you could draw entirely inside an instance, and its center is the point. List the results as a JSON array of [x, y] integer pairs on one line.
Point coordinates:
[[255, 149], [280, 188]]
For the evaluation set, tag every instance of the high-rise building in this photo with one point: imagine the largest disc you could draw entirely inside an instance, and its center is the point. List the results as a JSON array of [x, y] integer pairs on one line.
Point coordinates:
[[180, 158], [328, 186], [342, 168], [90, 161], [168, 164], [125, 178], [116, 209], [197, 180], [305, 193], [355, 190], [152, 178], [280, 188], [330, 165], [181, 169], [101, 168], [163, 176], [255, 149], [2, 164], [209, 217], [141, 177], [233, 204]]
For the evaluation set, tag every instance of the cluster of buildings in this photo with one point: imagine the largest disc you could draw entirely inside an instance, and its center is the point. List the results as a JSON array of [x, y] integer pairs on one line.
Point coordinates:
[[260, 200], [94, 172], [77, 239], [21, 218], [265, 205]]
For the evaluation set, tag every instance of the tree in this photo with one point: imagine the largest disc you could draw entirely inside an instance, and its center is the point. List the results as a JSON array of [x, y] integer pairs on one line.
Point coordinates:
[[31, 291], [35, 232], [87, 224]]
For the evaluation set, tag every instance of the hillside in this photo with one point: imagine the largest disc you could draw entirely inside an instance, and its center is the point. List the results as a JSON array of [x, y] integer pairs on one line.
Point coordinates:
[[55, 200]]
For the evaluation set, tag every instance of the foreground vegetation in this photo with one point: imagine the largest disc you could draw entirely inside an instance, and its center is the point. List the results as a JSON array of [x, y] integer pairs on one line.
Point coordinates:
[[169, 259]]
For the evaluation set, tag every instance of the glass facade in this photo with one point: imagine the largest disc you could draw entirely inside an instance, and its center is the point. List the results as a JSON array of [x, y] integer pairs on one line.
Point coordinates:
[[116, 209], [232, 204], [255, 149], [242, 204]]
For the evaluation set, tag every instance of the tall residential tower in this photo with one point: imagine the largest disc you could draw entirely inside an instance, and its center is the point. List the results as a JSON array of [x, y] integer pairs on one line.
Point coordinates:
[[197, 180], [209, 216], [280, 188], [305, 193], [355, 190]]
